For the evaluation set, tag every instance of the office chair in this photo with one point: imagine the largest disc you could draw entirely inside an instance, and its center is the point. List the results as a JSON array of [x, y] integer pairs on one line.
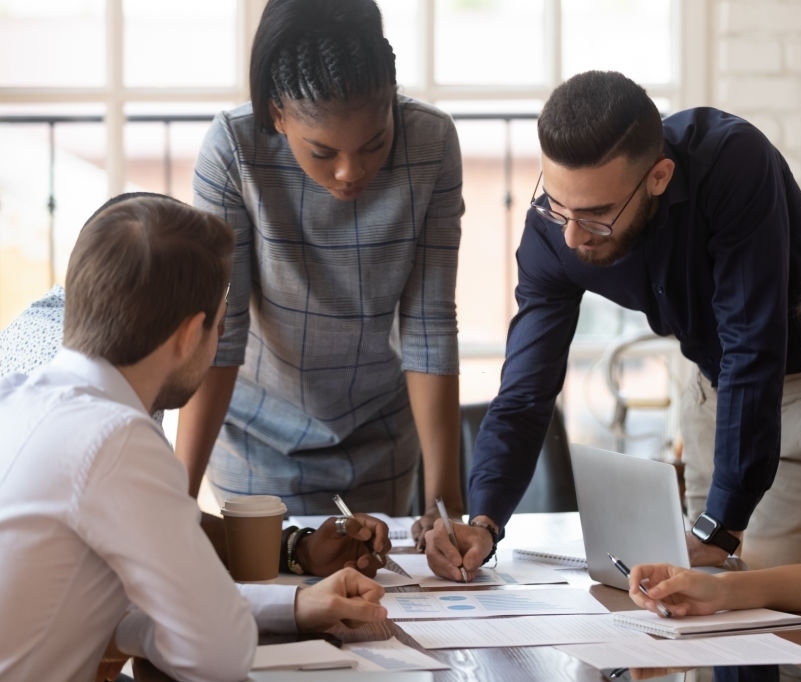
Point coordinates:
[[551, 488]]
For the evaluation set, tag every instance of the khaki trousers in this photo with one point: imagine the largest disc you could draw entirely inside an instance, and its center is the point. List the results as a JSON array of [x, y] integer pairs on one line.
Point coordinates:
[[773, 535]]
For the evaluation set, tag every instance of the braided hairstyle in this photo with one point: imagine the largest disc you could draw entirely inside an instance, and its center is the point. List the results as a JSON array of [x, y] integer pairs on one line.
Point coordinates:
[[319, 52]]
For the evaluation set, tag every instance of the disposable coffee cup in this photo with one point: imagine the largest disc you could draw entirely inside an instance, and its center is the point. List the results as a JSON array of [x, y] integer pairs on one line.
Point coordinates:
[[253, 536]]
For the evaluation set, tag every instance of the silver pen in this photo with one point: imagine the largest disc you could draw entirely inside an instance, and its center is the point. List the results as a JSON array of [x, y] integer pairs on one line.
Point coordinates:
[[443, 513], [340, 503], [620, 566]]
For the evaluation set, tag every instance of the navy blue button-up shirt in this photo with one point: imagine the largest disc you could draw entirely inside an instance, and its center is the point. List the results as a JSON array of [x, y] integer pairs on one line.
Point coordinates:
[[718, 267]]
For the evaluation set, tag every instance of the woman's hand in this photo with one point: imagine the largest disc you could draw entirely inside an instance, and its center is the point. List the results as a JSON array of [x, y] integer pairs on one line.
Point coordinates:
[[687, 592]]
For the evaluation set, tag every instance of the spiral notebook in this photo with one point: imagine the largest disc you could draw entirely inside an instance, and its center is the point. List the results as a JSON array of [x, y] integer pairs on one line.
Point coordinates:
[[722, 623], [569, 554]]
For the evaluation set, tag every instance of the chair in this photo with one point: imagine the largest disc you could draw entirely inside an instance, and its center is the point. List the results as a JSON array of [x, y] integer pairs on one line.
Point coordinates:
[[551, 488]]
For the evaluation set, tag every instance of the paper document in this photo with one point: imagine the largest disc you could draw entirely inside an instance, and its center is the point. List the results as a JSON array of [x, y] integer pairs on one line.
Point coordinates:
[[518, 631], [390, 655], [312, 654], [485, 603], [723, 623], [507, 572], [316, 654], [761, 649], [338, 676]]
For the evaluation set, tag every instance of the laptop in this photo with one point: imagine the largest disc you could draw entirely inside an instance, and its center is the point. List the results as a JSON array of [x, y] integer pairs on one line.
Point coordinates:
[[629, 507]]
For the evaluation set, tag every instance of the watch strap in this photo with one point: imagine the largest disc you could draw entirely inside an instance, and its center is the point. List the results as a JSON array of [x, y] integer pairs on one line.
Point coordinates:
[[725, 540], [719, 537]]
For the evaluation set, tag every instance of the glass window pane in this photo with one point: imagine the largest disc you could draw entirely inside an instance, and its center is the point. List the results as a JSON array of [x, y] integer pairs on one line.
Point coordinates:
[[35, 243], [615, 34], [402, 29], [489, 42], [161, 145], [57, 43], [501, 164], [185, 43]]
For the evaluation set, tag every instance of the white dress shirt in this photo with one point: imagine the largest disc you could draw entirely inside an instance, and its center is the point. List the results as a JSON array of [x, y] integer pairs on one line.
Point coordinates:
[[97, 531]]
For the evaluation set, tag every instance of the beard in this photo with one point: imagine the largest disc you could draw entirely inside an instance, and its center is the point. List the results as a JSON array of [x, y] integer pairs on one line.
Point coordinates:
[[615, 247], [177, 389]]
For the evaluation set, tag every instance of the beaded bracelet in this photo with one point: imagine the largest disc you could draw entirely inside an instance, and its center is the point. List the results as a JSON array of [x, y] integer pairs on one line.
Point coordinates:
[[291, 563], [493, 535]]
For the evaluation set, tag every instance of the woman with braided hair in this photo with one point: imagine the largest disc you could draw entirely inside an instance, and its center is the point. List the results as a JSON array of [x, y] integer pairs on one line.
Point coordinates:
[[339, 362]]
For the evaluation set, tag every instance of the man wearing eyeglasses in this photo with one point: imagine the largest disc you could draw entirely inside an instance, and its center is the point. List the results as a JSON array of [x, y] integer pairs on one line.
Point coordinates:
[[696, 222]]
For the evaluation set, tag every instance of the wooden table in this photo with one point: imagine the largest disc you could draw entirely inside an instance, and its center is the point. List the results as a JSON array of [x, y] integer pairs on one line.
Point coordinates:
[[507, 664]]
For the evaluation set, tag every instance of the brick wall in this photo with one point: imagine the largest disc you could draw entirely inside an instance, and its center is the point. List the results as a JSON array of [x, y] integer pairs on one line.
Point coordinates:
[[756, 68]]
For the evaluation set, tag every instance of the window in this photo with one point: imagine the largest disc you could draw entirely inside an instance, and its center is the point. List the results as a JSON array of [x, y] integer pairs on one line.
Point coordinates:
[[117, 95]]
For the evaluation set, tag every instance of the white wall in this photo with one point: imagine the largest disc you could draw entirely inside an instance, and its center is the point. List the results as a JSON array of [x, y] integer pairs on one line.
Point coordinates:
[[755, 67]]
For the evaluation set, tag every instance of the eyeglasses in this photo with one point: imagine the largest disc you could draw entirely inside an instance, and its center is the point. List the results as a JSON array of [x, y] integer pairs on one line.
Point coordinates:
[[593, 226], [221, 323]]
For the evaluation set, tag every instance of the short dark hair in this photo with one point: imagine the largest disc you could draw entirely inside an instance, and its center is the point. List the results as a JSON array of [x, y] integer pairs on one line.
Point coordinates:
[[141, 265], [596, 116], [318, 51]]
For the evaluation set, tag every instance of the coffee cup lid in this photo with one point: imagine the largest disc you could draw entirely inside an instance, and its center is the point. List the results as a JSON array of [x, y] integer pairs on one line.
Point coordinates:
[[253, 505]]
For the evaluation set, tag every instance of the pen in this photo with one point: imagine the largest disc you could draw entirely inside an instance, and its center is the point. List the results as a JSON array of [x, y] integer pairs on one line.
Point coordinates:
[[449, 528], [340, 503], [620, 566]]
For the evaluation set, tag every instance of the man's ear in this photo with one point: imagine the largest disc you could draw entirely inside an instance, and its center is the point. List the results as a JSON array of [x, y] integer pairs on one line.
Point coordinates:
[[188, 335], [660, 175]]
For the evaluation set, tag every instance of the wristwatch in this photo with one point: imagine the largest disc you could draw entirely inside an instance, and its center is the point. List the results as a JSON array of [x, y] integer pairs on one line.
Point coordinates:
[[711, 532]]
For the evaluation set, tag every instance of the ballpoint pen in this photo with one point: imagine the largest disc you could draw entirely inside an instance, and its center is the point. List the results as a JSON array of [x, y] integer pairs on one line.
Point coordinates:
[[340, 503], [443, 512], [620, 566]]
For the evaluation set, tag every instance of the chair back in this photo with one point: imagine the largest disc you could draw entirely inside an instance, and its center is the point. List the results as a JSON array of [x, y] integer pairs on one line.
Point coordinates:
[[551, 488]]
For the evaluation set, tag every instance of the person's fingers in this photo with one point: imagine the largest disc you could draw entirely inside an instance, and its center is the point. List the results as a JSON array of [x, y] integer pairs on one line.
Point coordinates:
[[357, 584], [443, 558], [367, 565], [366, 528], [419, 536]]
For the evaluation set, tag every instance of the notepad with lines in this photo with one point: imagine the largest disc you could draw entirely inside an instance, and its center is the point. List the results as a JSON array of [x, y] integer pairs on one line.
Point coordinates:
[[722, 623], [569, 554]]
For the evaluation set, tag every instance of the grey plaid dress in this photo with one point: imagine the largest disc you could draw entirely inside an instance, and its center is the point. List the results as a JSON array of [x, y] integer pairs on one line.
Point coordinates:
[[330, 303]]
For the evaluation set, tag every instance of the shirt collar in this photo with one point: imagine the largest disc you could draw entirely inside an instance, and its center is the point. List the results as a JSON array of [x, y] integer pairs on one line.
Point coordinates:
[[99, 373]]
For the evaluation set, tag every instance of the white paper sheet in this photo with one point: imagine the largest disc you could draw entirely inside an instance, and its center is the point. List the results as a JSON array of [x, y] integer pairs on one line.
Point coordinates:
[[312, 654], [764, 649], [507, 572], [338, 676], [485, 603], [519, 631], [390, 655]]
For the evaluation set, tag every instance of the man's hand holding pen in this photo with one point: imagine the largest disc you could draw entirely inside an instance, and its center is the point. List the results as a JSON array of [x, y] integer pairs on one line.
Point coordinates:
[[327, 549], [474, 544]]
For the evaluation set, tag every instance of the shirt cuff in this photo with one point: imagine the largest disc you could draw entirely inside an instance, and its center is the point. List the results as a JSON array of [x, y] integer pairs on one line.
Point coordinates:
[[273, 606]]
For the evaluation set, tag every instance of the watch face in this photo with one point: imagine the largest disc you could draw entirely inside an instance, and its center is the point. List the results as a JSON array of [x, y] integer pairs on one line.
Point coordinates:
[[704, 527]]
